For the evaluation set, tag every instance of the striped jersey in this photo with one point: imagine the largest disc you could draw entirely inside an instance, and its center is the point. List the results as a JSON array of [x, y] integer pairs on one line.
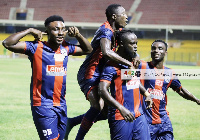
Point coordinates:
[[158, 87], [126, 92], [94, 62], [49, 70]]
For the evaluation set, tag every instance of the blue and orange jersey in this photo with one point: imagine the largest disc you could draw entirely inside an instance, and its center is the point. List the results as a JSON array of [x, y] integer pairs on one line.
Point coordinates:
[[126, 92], [94, 62], [158, 87], [49, 70]]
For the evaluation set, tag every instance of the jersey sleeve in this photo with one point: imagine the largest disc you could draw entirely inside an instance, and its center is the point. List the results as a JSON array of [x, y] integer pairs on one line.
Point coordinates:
[[140, 66], [30, 48], [106, 33], [175, 84], [108, 74], [71, 48]]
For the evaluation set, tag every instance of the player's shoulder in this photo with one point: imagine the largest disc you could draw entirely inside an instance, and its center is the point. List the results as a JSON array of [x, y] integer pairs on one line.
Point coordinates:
[[165, 67], [66, 43], [143, 64], [111, 66], [106, 27]]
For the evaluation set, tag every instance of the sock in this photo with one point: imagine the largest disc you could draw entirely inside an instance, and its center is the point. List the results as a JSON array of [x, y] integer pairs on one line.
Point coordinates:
[[87, 122], [71, 122]]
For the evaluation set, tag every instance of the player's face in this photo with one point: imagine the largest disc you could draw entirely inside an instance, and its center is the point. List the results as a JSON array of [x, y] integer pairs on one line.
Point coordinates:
[[56, 32], [121, 18], [130, 45], [158, 51]]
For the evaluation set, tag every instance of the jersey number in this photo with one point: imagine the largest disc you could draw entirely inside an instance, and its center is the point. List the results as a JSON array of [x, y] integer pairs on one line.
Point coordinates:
[[47, 132]]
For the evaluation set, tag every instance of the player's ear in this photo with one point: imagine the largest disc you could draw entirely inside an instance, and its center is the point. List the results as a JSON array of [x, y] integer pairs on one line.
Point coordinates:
[[114, 16]]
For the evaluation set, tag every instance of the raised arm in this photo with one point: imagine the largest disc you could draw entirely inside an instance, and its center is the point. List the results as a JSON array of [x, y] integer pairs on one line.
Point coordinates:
[[105, 95], [13, 44], [85, 46], [187, 95], [111, 55]]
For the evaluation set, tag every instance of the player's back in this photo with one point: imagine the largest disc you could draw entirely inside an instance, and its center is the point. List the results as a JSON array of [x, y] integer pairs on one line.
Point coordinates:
[[94, 62]]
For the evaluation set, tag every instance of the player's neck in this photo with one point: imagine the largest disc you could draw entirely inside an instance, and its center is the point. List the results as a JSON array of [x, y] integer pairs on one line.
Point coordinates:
[[53, 46], [125, 56], [158, 64], [112, 24]]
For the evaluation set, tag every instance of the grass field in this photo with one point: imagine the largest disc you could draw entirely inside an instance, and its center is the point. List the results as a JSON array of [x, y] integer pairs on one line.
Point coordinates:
[[15, 114]]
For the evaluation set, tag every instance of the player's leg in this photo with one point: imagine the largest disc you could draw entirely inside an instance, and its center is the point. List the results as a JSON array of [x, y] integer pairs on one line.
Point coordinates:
[[154, 130], [120, 130], [61, 112], [71, 122], [103, 115], [166, 130], [91, 114], [85, 86], [46, 122], [141, 129], [167, 135]]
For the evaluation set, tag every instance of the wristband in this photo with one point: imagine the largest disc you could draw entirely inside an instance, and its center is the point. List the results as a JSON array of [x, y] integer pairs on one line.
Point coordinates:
[[146, 94]]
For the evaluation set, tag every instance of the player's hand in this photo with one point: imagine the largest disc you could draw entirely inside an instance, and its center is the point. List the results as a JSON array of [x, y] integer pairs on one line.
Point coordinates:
[[136, 61], [73, 31], [126, 114], [149, 101], [37, 34], [198, 101], [131, 67]]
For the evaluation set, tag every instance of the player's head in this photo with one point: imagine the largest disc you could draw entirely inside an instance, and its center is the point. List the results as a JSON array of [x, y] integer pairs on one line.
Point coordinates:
[[52, 19], [116, 13], [55, 29], [158, 50], [127, 41]]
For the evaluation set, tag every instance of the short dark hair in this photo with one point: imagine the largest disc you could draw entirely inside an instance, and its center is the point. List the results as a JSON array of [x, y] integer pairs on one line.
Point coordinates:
[[158, 40], [121, 34], [111, 9], [52, 19]]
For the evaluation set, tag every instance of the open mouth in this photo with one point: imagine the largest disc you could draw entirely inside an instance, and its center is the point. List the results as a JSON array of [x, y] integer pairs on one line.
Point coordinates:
[[156, 56], [60, 38]]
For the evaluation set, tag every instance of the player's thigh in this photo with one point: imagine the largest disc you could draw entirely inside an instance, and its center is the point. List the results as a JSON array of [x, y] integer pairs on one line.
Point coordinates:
[[120, 130], [46, 122], [94, 98], [167, 135], [141, 129], [61, 112], [166, 130]]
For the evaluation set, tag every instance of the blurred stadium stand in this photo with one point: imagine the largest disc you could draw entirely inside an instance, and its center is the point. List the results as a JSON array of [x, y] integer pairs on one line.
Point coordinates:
[[175, 21]]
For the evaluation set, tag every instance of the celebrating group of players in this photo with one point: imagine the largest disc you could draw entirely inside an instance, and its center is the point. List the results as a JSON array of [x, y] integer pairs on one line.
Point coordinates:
[[134, 111]]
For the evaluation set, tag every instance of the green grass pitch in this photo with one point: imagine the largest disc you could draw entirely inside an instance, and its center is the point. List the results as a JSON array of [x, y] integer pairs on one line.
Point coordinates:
[[15, 114]]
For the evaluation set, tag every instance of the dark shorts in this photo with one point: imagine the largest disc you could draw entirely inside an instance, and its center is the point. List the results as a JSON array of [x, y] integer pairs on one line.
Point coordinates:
[[163, 131], [50, 122], [122, 130], [86, 85]]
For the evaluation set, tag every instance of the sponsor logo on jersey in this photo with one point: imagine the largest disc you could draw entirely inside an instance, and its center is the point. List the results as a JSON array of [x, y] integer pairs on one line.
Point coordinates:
[[156, 94], [133, 83], [59, 57], [52, 70], [64, 52]]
